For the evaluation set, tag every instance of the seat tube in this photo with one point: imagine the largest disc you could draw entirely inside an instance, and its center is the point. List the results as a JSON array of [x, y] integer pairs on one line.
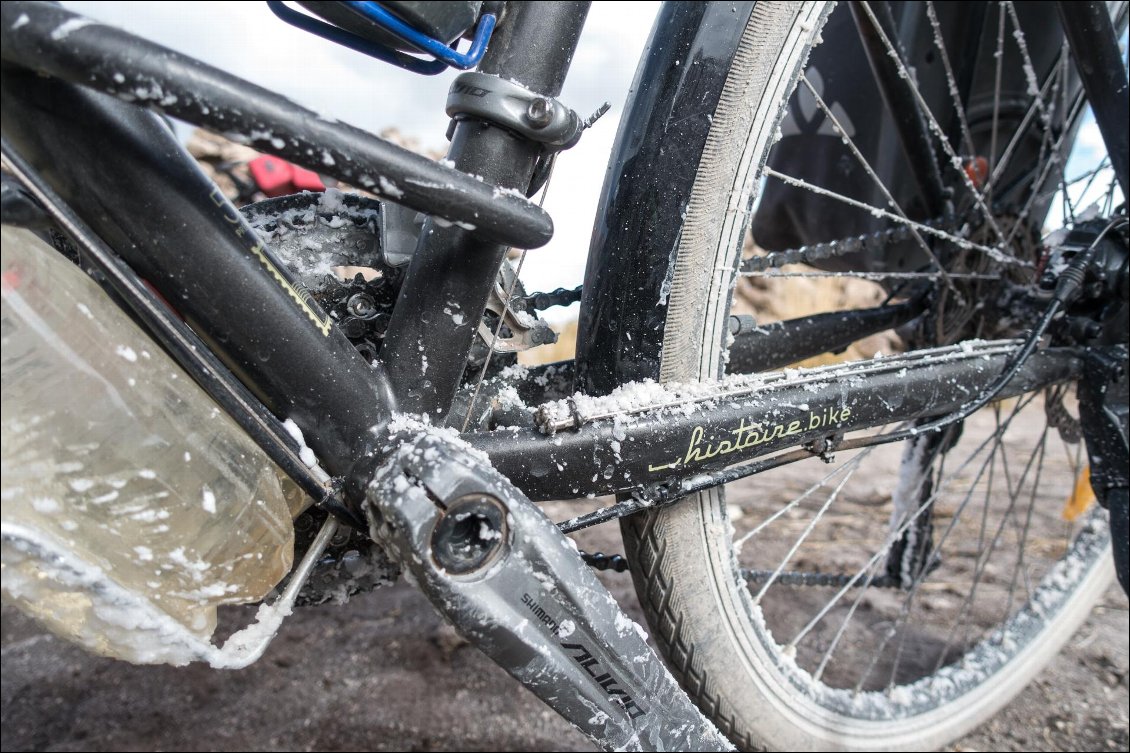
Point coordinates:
[[451, 274]]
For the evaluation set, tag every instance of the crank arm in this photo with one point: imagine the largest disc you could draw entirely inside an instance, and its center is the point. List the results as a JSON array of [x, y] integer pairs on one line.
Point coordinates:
[[511, 583]]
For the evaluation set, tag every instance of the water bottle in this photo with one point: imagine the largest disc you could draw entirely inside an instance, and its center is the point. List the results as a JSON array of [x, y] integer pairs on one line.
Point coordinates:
[[132, 505]]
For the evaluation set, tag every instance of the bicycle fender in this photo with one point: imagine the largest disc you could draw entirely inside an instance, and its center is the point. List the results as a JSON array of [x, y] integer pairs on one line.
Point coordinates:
[[646, 189]]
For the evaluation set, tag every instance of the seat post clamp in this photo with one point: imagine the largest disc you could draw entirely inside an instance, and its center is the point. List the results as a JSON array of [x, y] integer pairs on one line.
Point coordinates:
[[513, 106]]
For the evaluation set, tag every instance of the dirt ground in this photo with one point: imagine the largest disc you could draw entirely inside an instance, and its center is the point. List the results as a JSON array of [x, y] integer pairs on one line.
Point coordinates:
[[384, 673]]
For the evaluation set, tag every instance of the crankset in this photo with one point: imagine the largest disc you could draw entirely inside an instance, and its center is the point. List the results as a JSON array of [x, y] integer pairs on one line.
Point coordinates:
[[511, 583]]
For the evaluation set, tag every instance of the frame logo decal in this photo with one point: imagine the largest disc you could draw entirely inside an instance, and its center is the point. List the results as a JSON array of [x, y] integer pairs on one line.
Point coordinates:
[[748, 435], [300, 295]]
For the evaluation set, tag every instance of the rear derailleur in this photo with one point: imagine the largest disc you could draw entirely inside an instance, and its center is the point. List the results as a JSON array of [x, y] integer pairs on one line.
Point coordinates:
[[1098, 321]]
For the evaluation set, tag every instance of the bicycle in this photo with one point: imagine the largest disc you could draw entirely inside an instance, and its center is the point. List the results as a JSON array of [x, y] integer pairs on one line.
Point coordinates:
[[956, 239]]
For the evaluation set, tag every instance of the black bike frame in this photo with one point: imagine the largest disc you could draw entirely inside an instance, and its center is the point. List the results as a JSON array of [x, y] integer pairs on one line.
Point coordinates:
[[118, 167]]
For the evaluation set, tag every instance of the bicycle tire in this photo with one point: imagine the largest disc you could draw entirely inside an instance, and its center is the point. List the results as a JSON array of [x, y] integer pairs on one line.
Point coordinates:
[[683, 562]]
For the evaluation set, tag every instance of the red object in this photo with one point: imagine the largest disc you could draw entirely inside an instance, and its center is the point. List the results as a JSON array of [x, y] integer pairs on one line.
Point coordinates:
[[272, 175], [977, 169], [306, 180], [276, 177]]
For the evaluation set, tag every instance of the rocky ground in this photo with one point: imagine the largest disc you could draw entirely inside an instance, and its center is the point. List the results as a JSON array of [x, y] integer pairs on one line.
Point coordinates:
[[384, 673]]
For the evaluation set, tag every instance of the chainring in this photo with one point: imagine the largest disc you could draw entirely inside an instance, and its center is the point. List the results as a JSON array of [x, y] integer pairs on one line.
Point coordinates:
[[332, 243]]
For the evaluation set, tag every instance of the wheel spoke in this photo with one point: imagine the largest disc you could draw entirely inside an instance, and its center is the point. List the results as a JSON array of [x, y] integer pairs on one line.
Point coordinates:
[[850, 465], [871, 172], [1090, 176], [887, 544], [804, 535], [994, 134], [916, 487], [983, 561], [955, 160], [951, 79], [1045, 138], [912, 601], [1023, 544], [1029, 69], [1070, 205], [996, 254], [906, 607], [1047, 166], [998, 168], [876, 276], [981, 531]]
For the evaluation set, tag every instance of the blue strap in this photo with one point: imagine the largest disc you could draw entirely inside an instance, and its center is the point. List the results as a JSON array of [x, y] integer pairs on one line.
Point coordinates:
[[437, 49], [354, 42]]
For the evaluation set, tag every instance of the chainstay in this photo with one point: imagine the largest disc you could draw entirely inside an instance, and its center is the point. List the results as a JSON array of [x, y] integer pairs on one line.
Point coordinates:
[[663, 495], [576, 411]]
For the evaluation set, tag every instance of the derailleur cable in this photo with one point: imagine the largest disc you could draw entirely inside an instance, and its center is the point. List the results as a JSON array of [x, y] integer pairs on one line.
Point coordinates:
[[1067, 289]]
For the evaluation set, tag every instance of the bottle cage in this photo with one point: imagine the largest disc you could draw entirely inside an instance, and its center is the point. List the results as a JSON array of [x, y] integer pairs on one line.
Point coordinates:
[[392, 31]]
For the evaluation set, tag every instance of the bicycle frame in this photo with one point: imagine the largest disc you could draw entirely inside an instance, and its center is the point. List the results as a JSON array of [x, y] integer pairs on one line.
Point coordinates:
[[127, 189], [255, 317], [128, 192]]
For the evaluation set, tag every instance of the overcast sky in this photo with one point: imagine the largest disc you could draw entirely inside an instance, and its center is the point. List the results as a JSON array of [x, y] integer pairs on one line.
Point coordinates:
[[246, 39]]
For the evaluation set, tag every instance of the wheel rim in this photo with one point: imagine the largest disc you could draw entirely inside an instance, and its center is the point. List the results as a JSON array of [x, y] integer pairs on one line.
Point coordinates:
[[906, 697]]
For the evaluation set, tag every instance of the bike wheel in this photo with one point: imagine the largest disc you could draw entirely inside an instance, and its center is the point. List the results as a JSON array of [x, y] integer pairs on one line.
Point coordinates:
[[749, 591]]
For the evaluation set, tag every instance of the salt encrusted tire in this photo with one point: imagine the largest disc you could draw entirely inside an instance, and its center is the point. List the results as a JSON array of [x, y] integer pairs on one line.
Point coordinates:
[[700, 609]]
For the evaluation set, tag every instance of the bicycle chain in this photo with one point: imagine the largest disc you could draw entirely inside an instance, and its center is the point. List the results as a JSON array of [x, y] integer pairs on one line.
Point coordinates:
[[839, 247], [601, 561], [618, 563], [827, 580], [801, 255], [559, 297]]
